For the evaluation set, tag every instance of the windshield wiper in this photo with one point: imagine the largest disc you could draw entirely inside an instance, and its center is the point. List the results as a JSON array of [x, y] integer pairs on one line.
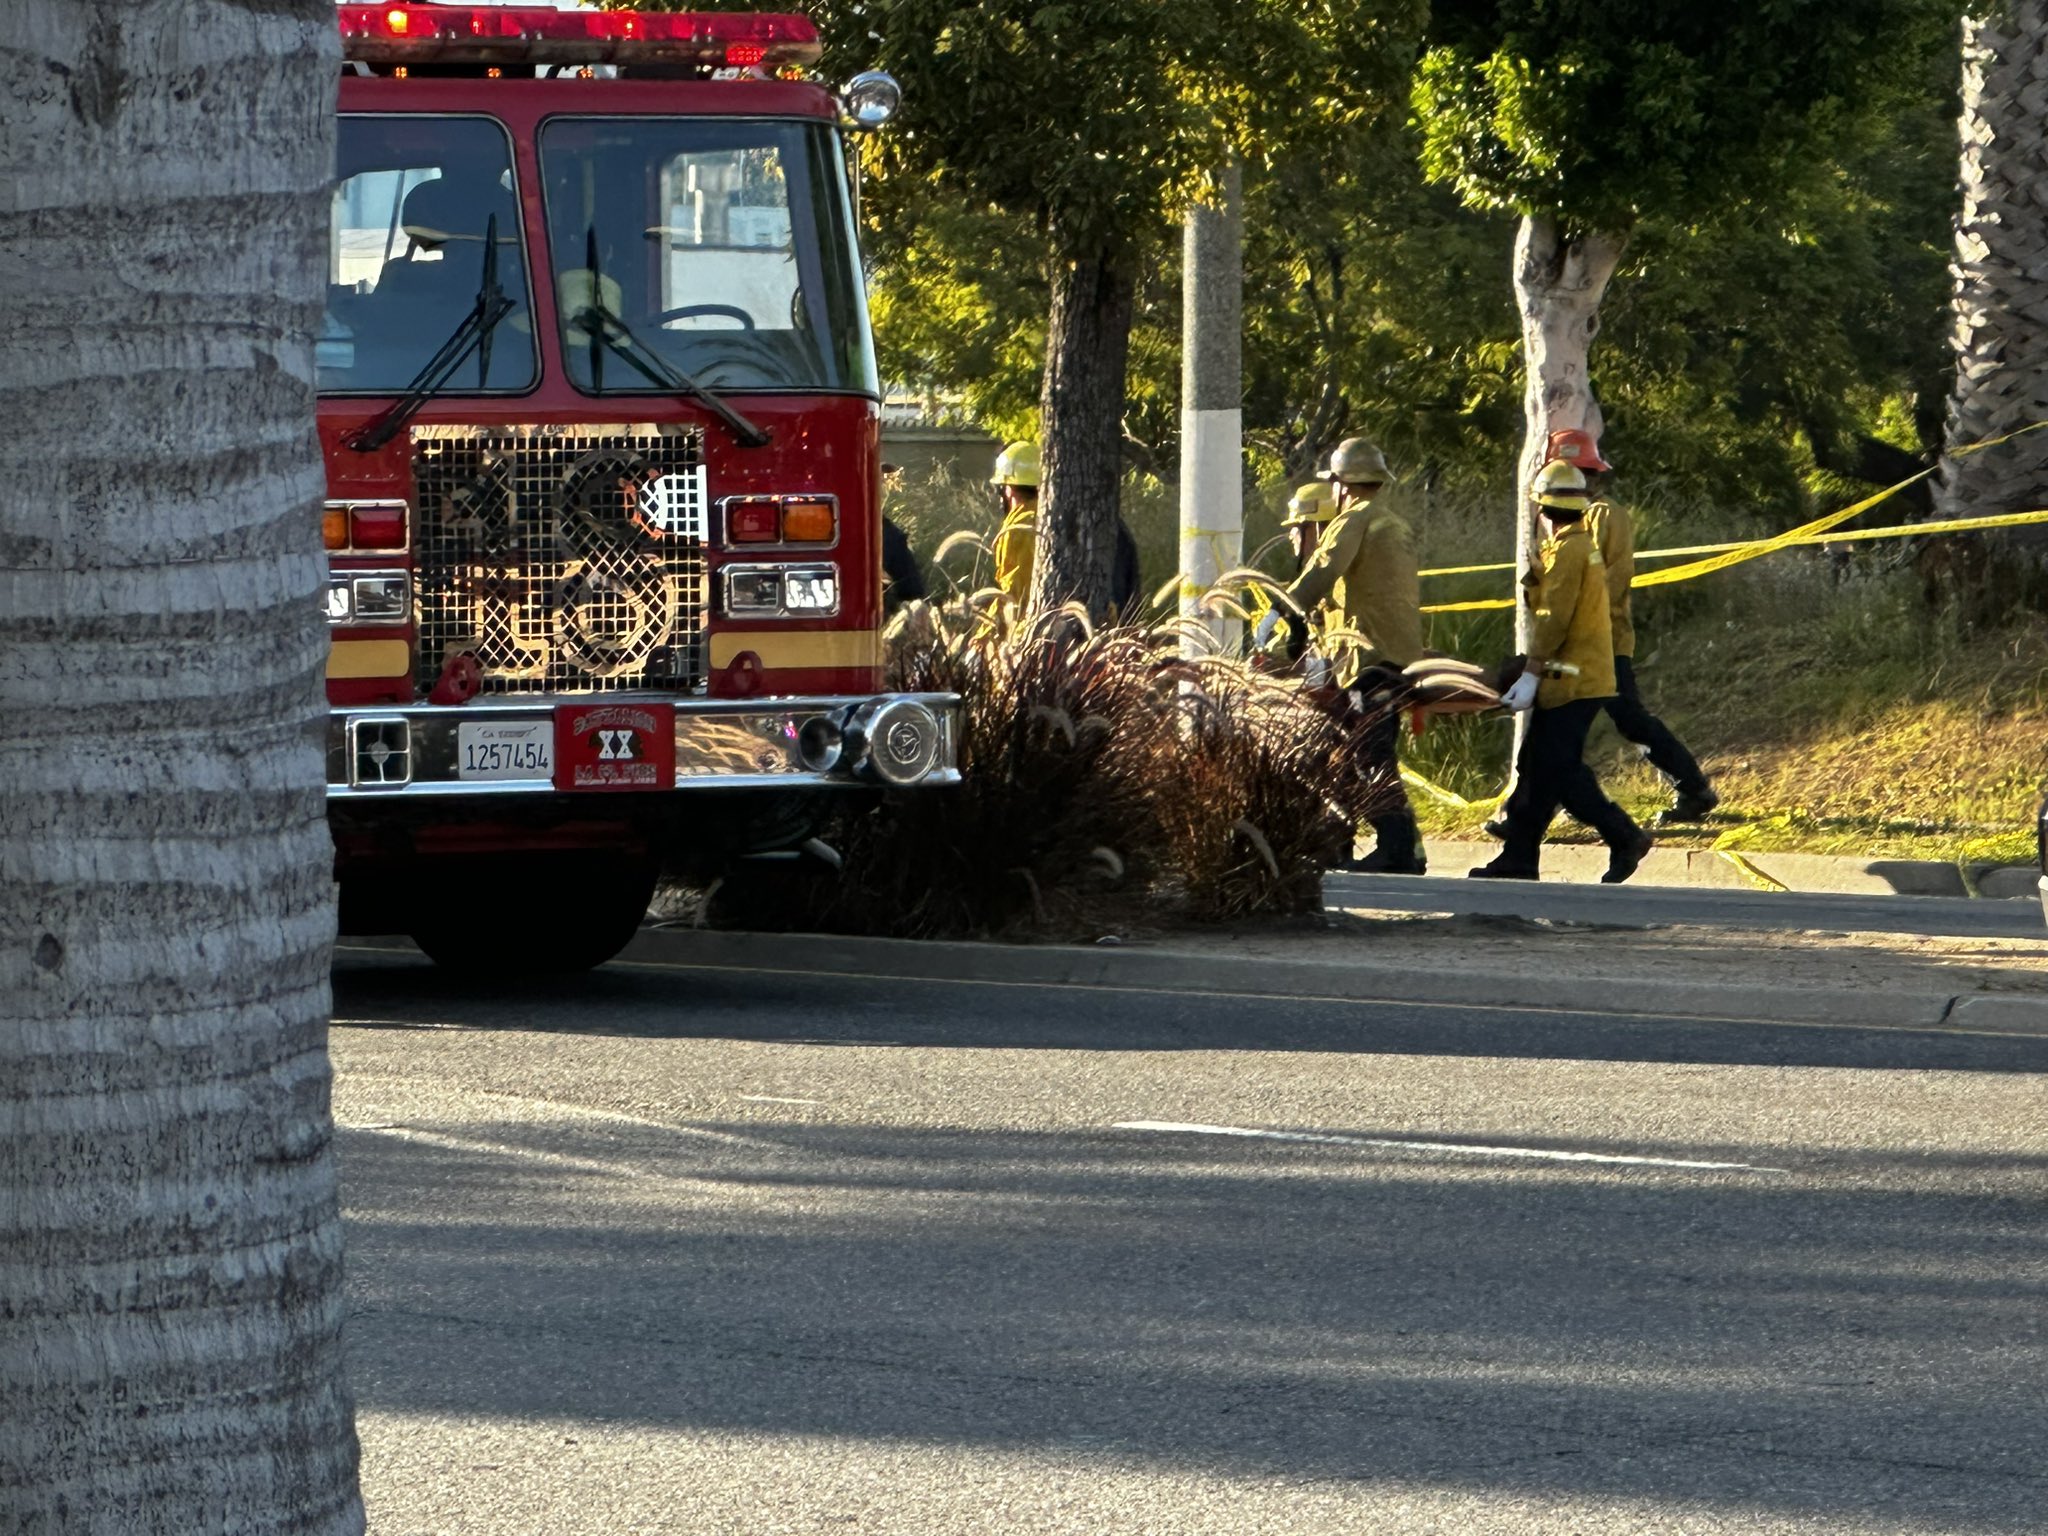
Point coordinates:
[[607, 331], [472, 335]]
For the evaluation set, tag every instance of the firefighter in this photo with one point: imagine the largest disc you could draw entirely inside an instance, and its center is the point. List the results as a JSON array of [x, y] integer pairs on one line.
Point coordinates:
[[1361, 570], [1568, 678], [1614, 532], [1016, 481], [1309, 511]]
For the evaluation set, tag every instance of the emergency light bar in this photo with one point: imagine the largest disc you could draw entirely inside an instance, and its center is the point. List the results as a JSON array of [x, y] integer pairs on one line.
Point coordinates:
[[459, 34]]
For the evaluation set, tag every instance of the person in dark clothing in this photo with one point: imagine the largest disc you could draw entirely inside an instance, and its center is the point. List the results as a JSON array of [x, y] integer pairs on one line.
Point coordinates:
[[1614, 533], [902, 578], [1125, 580]]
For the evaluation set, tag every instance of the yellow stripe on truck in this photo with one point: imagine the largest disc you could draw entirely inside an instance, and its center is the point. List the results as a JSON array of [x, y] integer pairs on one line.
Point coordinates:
[[369, 658], [830, 648]]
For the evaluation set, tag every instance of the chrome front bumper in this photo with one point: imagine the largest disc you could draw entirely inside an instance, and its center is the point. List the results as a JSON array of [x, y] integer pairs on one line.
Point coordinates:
[[415, 752]]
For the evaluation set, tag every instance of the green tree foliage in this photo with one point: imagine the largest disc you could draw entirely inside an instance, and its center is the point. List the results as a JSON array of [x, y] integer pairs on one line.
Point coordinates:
[[1597, 112], [1595, 121], [1080, 131], [1737, 350]]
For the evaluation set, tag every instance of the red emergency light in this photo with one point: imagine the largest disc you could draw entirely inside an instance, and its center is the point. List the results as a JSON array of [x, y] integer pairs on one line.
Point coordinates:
[[501, 35]]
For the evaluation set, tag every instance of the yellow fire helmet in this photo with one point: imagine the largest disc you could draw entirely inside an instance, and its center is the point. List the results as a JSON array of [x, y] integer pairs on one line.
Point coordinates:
[[1017, 464], [1311, 503], [1560, 484]]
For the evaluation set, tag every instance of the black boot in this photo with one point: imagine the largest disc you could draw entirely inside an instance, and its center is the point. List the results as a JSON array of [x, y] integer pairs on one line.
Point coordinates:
[[1503, 867], [1397, 848], [1690, 805], [1625, 857]]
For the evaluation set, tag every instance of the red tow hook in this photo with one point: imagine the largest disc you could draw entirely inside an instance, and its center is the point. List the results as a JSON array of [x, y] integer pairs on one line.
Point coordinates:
[[460, 681]]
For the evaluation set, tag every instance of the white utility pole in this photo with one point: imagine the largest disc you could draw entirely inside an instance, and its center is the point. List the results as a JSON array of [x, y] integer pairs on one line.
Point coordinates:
[[1212, 410]]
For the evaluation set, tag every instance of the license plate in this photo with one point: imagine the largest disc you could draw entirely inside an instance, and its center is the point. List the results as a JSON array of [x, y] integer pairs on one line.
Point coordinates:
[[505, 749]]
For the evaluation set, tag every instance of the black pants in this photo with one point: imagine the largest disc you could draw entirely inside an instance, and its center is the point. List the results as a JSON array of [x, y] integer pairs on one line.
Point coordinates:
[[1666, 752], [1375, 702], [1550, 772]]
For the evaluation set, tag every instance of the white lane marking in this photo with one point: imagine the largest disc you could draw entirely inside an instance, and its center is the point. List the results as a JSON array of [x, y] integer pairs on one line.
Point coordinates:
[[498, 1149], [582, 1112], [1535, 1154], [769, 1098], [396, 1024]]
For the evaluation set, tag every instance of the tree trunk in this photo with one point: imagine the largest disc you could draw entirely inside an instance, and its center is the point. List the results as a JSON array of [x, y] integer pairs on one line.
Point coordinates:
[[2001, 283], [1081, 409], [1559, 282], [170, 1248]]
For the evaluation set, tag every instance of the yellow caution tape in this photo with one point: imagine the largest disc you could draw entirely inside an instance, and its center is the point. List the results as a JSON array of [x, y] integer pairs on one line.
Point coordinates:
[[1476, 606], [1726, 555], [1725, 847], [1448, 797], [1761, 547], [1897, 531], [1743, 551]]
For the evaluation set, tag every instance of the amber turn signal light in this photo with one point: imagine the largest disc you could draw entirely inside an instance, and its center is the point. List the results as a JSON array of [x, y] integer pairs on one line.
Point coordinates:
[[808, 522]]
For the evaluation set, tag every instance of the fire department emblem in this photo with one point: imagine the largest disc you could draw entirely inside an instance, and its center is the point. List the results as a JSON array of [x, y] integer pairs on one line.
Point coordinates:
[[615, 746]]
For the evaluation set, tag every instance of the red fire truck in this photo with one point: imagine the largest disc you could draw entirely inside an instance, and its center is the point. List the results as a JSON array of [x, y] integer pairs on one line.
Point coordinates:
[[601, 422]]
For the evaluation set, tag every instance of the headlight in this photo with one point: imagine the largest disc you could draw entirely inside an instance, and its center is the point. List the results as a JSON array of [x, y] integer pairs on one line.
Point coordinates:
[[781, 591], [811, 591], [871, 99], [369, 597]]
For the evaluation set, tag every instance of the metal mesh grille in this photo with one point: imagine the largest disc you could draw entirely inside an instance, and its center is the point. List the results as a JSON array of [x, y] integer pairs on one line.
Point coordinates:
[[562, 557]]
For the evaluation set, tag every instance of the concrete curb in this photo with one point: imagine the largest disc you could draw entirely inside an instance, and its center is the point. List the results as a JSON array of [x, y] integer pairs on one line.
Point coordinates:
[[1584, 863], [1363, 980]]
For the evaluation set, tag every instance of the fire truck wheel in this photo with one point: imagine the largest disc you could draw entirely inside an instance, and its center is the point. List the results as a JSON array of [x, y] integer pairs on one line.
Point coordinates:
[[586, 908]]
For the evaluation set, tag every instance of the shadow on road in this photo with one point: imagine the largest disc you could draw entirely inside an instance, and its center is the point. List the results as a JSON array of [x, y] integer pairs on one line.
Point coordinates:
[[1301, 1314], [399, 989]]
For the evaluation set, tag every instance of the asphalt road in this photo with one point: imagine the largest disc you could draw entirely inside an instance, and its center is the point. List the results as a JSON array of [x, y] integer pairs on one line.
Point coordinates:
[[671, 1250], [1932, 916]]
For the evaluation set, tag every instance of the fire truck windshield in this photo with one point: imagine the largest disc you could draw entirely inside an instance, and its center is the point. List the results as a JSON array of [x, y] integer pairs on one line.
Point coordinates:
[[723, 245], [413, 204]]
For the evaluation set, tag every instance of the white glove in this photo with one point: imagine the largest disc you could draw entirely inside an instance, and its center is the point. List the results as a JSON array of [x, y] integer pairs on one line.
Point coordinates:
[[1521, 693], [1269, 626]]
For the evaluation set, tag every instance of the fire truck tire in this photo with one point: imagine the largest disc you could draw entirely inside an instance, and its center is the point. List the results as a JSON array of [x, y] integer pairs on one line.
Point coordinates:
[[591, 906]]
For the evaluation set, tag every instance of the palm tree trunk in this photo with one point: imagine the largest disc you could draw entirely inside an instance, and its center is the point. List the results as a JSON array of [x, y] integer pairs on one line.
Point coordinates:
[[169, 1233], [1081, 407], [2001, 295]]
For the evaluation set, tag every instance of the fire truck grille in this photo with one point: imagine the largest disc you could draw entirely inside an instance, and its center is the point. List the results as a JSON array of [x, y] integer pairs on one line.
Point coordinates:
[[562, 557]]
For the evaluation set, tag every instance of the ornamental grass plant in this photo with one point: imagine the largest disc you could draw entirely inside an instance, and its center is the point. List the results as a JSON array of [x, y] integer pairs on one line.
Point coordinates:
[[1107, 784]]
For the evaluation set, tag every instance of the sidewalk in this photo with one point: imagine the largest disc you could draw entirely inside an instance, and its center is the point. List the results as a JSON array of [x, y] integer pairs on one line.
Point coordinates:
[[1848, 980], [1680, 866]]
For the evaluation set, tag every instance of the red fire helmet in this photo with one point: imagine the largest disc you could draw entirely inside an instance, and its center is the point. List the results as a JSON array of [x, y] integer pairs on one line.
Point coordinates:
[[1576, 447]]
